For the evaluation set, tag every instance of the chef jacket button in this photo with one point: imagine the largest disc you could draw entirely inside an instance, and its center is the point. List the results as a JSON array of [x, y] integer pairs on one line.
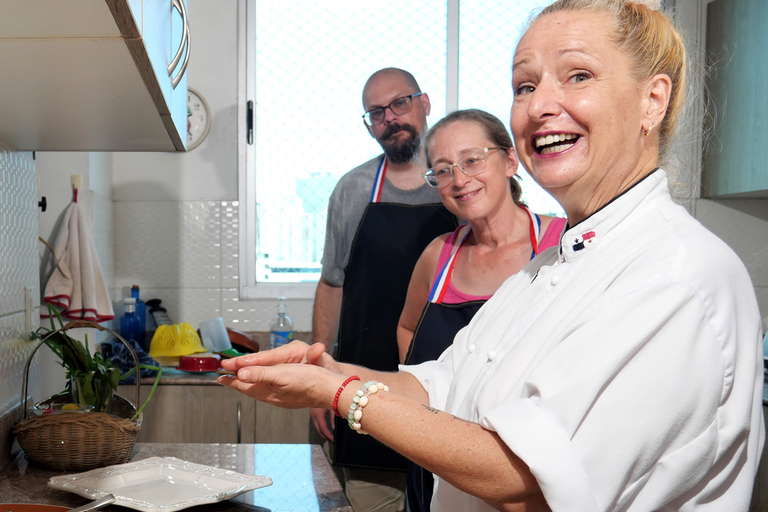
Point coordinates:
[[555, 280], [491, 355], [471, 348]]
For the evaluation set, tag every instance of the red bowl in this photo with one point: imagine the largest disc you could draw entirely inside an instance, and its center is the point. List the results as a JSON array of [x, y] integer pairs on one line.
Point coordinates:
[[198, 363]]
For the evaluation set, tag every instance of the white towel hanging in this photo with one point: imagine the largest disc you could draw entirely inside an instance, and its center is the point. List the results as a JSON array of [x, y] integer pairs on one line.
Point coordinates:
[[76, 287]]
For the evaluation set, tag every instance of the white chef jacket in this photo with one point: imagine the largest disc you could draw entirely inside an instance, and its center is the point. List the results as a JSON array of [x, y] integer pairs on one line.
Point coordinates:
[[624, 368]]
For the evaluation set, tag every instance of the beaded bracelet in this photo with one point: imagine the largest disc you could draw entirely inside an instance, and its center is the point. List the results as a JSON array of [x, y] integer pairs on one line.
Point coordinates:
[[338, 394], [355, 414]]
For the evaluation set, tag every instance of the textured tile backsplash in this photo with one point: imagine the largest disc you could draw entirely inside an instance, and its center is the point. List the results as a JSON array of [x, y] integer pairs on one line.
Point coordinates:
[[19, 261], [186, 255]]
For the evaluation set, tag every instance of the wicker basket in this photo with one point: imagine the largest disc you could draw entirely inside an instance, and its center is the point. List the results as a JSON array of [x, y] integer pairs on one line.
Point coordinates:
[[78, 441]]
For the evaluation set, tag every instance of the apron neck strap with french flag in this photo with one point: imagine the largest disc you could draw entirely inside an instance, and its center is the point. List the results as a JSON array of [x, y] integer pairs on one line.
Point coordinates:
[[441, 283], [379, 182], [535, 230]]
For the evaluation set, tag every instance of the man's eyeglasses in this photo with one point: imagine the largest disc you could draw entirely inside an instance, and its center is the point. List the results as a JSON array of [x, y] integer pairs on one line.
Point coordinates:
[[471, 165], [400, 107]]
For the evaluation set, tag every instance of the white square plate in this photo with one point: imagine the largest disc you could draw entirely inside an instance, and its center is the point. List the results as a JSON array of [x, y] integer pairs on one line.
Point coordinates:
[[160, 484]]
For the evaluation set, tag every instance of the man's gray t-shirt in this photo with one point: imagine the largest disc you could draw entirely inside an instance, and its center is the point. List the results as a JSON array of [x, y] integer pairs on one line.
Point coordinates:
[[346, 207]]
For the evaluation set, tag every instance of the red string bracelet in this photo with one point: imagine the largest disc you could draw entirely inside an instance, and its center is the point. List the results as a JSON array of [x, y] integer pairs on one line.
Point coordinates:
[[338, 393]]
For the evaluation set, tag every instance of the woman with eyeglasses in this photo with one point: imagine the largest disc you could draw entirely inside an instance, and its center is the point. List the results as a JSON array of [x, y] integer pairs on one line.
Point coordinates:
[[473, 165], [620, 371]]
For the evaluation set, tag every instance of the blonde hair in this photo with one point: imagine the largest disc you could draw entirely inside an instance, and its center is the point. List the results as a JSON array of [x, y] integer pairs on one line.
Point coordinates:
[[651, 42]]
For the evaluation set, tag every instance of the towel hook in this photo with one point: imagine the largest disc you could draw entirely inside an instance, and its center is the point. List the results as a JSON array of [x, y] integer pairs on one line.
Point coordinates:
[[75, 178]]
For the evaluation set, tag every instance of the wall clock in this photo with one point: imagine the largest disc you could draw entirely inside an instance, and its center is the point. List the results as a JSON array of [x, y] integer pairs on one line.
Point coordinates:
[[198, 119]]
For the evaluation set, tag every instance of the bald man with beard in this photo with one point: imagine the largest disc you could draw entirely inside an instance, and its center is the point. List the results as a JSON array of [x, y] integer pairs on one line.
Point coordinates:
[[381, 216]]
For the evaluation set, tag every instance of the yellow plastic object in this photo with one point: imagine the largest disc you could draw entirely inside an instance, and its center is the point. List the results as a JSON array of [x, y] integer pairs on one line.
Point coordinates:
[[175, 340]]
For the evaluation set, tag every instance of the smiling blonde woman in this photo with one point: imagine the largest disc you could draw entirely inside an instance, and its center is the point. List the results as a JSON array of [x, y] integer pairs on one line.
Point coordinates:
[[620, 371]]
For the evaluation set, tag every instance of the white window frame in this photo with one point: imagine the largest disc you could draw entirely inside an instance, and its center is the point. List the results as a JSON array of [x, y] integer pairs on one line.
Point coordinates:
[[690, 13], [250, 288]]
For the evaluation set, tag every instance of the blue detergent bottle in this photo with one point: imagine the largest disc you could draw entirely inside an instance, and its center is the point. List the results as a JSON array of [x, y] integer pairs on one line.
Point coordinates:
[[141, 312], [129, 322]]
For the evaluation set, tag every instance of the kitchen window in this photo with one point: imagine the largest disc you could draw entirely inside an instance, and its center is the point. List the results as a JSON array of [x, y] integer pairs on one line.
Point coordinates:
[[304, 67]]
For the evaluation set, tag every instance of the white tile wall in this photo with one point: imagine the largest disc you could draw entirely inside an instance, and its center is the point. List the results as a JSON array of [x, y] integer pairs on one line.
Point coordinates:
[[168, 244], [743, 225], [19, 263], [230, 260], [186, 255], [14, 353]]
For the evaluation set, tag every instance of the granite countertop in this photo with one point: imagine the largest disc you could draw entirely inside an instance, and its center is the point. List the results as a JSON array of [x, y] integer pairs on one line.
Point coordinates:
[[301, 475], [174, 377]]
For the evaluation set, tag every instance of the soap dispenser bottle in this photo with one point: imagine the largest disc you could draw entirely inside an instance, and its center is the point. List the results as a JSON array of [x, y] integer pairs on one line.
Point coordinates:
[[281, 328]]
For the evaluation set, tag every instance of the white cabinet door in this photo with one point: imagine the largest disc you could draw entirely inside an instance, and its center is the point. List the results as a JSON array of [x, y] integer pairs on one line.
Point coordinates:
[[178, 101], [163, 40], [90, 75]]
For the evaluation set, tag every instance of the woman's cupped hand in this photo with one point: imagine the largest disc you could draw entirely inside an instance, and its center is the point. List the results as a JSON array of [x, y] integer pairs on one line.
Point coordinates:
[[291, 376]]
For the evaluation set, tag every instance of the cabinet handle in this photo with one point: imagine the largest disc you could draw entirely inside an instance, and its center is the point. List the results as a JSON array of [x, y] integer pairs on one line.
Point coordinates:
[[184, 44], [239, 424]]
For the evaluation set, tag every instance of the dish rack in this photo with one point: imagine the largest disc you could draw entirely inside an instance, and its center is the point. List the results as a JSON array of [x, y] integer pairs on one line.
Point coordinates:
[[78, 441]]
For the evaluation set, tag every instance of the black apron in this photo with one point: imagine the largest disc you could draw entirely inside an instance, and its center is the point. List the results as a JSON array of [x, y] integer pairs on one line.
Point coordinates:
[[434, 333], [437, 327], [389, 240]]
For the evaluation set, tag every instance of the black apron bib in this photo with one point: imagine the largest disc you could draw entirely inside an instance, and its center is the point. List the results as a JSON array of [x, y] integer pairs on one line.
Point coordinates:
[[435, 331], [388, 242], [437, 327]]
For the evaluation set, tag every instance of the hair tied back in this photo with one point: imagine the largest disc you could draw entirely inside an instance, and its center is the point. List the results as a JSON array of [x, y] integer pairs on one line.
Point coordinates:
[[651, 4]]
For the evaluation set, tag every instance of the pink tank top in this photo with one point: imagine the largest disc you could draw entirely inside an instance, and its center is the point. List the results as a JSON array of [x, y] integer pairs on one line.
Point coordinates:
[[453, 295]]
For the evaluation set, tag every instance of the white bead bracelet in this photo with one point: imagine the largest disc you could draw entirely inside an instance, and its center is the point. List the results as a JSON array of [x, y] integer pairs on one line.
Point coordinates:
[[355, 414]]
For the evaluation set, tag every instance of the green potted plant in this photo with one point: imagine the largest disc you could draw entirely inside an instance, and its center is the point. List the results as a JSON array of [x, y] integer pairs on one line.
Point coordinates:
[[91, 379]]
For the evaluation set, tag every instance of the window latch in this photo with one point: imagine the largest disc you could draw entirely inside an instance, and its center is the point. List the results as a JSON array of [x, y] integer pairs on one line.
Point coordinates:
[[249, 121]]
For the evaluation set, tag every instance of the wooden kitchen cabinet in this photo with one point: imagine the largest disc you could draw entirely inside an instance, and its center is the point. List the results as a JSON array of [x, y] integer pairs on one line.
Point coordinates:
[[92, 75], [208, 413], [276, 425], [194, 414]]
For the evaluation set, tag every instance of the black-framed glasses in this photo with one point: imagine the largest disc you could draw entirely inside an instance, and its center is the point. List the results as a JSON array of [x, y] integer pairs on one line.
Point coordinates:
[[471, 164], [400, 106]]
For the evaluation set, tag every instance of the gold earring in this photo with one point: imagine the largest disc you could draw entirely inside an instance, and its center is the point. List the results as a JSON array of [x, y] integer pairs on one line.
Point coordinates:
[[648, 130]]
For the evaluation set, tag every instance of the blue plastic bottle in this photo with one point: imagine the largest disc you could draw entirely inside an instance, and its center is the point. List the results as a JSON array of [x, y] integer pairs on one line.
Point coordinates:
[[129, 322], [141, 312]]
